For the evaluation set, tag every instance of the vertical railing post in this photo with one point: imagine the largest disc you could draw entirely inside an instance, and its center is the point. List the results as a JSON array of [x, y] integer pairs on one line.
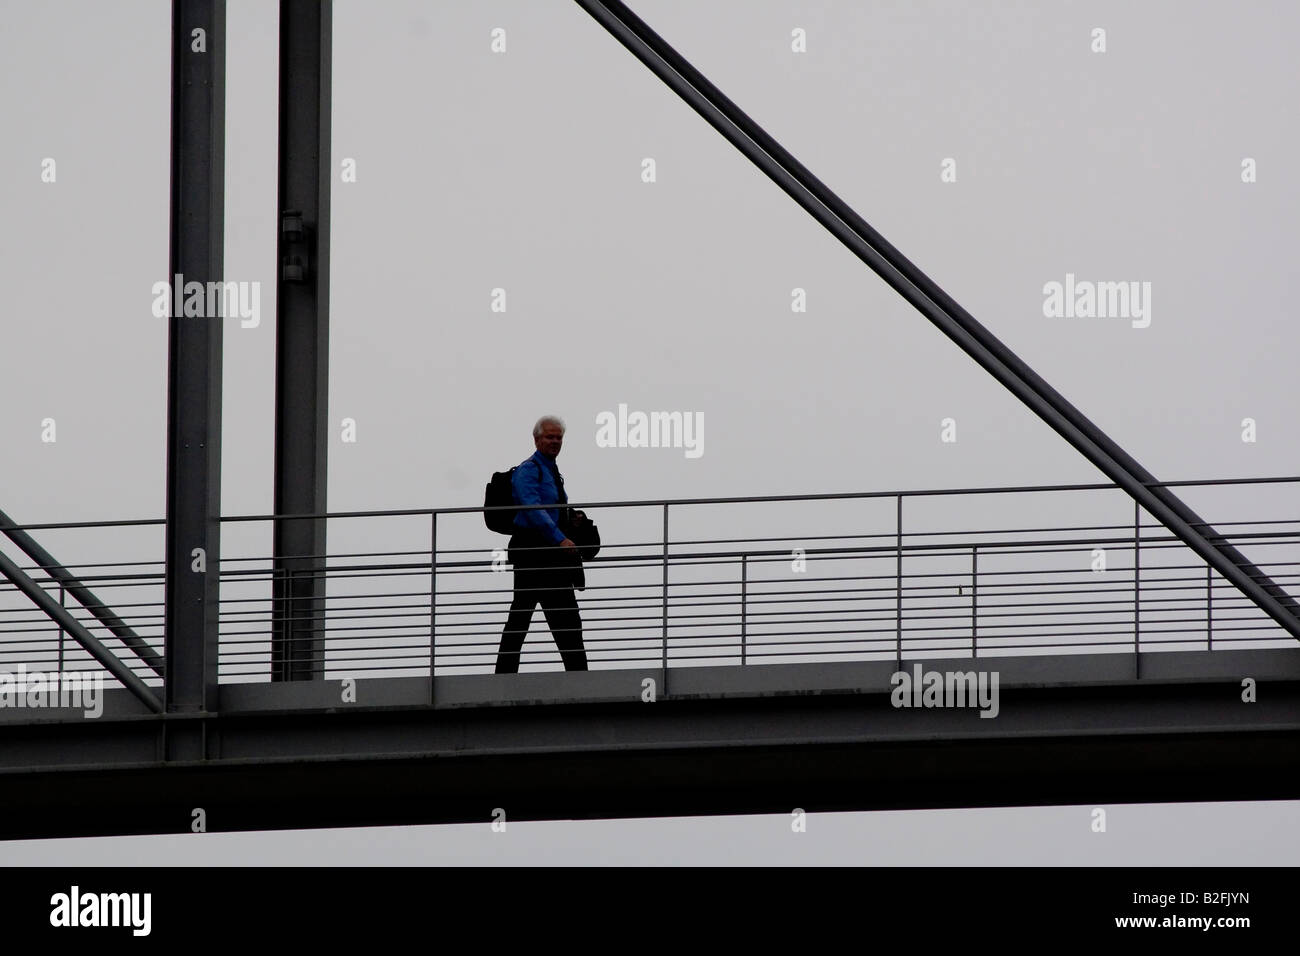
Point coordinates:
[[1137, 586], [744, 579], [62, 603], [974, 600], [1209, 608], [665, 600], [289, 614], [279, 587], [433, 600], [898, 636]]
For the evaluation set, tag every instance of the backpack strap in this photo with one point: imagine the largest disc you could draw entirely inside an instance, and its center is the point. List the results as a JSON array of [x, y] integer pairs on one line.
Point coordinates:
[[566, 513]]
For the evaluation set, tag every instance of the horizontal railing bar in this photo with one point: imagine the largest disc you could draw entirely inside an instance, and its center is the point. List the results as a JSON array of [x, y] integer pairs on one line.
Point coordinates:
[[660, 502], [1019, 608]]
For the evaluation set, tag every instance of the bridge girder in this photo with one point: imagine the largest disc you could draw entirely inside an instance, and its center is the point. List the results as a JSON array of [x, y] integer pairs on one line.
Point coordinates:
[[1078, 730]]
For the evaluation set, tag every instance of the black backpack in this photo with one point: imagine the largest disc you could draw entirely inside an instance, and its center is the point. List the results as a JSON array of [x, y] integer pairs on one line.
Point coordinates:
[[499, 492]]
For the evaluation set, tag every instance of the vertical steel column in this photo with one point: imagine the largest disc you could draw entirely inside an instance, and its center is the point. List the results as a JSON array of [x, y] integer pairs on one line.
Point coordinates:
[[193, 531], [302, 339]]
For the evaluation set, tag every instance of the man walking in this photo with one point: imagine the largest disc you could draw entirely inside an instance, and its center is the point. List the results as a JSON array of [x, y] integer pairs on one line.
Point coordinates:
[[544, 559]]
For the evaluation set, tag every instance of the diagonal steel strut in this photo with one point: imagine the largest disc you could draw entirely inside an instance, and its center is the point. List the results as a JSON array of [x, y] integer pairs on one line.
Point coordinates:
[[64, 618], [83, 594], [937, 306]]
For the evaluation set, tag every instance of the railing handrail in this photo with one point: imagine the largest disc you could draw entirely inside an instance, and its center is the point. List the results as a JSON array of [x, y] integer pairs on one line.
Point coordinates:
[[377, 622], [661, 502]]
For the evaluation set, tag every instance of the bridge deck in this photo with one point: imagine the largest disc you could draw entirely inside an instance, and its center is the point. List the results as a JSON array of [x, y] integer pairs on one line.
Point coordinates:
[[1069, 729]]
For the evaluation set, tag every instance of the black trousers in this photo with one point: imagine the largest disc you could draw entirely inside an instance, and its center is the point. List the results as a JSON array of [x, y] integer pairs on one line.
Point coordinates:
[[540, 580]]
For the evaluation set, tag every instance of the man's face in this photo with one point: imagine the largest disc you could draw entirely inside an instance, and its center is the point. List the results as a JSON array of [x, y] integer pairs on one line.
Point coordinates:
[[550, 440]]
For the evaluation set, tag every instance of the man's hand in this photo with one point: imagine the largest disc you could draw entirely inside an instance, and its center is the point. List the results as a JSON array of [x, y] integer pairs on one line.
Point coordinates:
[[566, 543]]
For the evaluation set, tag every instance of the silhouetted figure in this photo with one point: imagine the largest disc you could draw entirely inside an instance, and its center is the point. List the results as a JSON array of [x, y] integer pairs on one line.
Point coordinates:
[[547, 564]]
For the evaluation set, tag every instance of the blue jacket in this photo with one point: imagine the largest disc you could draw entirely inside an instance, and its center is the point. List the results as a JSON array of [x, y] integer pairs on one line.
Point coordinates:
[[534, 483]]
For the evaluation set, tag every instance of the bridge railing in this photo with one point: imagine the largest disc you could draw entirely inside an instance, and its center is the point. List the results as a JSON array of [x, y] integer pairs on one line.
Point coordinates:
[[780, 579], [974, 572]]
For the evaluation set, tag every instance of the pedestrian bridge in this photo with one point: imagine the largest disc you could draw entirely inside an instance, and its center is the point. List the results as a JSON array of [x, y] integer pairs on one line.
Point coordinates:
[[744, 654], [749, 654]]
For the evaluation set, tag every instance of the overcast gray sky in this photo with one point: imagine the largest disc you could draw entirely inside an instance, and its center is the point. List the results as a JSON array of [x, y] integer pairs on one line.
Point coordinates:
[[522, 170]]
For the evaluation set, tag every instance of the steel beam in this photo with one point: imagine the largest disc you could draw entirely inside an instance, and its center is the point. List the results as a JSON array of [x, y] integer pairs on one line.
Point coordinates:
[[193, 538], [302, 340], [1070, 730], [944, 312], [102, 612]]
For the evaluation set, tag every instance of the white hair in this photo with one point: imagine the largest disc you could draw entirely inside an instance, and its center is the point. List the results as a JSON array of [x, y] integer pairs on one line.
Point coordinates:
[[547, 420]]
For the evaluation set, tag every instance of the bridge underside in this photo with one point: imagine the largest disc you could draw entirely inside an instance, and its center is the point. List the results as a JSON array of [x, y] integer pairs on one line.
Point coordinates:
[[1091, 730]]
